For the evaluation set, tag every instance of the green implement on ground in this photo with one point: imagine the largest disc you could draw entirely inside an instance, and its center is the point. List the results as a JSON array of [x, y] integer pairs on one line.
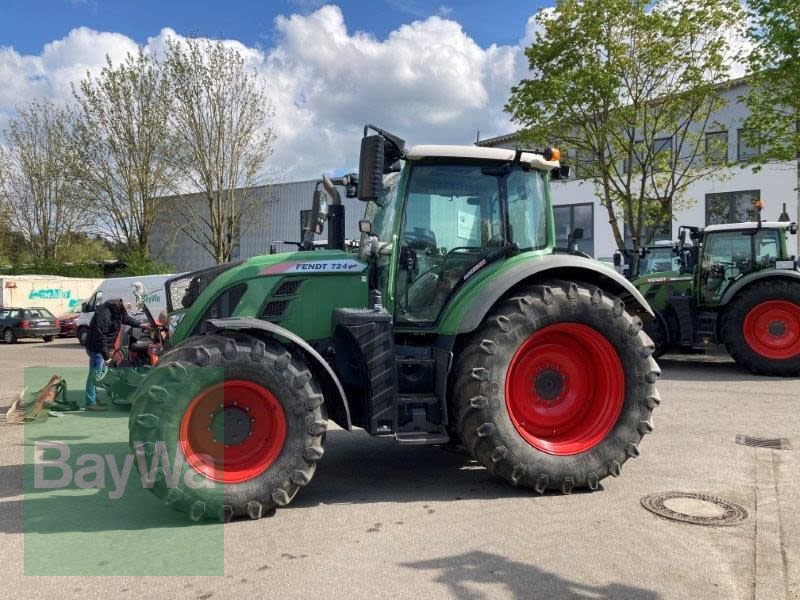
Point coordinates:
[[737, 284], [455, 320]]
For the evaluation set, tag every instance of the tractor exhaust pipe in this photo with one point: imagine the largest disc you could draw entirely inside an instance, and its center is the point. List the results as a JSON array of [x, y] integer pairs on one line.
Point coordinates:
[[335, 215]]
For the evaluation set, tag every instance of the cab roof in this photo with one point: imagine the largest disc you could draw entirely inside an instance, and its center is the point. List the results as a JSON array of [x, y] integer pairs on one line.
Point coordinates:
[[536, 161], [748, 225]]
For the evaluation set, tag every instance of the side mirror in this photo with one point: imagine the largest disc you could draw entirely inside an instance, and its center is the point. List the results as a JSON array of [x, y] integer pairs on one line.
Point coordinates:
[[617, 258], [642, 251], [370, 168], [319, 209], [793, 228], [351, 185], [84, 307], [577, 234], [365, 226]]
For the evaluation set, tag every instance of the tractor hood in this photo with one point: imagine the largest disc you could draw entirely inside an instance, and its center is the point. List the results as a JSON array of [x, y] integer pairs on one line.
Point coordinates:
[[296, 290]]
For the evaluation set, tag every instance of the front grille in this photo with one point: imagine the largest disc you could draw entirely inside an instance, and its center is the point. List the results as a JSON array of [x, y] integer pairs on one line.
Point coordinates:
[[276, 308], [289, 288]]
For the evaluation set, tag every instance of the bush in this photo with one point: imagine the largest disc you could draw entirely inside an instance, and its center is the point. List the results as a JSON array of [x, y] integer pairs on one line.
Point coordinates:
[[137, 263]]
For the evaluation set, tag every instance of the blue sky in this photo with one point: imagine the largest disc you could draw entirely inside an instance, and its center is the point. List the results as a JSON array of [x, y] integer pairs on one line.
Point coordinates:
[[29, 24], [433, 72]]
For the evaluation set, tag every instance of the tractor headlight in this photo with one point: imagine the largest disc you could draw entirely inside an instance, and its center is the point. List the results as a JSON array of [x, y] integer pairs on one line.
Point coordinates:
[[174, 320]]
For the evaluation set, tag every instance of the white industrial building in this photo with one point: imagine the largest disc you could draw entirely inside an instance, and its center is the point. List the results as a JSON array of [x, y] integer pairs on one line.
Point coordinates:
[[277, 219], [726, 197]]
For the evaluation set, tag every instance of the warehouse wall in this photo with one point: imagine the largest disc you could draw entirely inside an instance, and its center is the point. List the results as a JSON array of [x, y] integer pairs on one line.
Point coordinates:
[[56, 294], [278, 220]]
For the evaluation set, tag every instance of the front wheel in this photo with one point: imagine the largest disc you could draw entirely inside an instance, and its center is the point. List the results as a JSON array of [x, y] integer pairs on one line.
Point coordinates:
[[240, 415], [9, 337], [47, 338], [556, 389]]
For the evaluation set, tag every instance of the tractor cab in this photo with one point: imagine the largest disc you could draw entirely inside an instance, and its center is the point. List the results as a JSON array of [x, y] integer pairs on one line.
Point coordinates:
[[452, 212], [734, 251]]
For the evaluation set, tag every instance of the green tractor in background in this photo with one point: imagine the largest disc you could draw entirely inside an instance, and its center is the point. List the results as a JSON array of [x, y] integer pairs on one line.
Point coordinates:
[[455, 320], [736, 284]]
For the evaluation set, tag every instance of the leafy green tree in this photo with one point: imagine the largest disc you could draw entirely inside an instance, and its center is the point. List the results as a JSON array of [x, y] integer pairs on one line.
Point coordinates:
[[630, 88], [125, 148], [774, 75]]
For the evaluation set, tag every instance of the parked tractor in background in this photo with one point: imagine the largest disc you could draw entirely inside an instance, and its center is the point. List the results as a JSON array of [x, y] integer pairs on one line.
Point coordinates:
[[454, 320], [737, 285]]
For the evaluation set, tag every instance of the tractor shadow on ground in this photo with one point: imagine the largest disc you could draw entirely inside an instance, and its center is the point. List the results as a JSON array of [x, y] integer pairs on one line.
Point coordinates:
[[704, 369], [465, 576], [358, 469]]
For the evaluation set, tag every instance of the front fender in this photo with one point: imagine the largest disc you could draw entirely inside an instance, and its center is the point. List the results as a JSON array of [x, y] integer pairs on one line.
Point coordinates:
[[469, 308], [757, 276], [330, 381]]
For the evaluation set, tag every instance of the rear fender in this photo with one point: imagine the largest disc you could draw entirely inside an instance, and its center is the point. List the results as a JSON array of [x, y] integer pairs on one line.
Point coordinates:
[[334, 392], [564, 267]]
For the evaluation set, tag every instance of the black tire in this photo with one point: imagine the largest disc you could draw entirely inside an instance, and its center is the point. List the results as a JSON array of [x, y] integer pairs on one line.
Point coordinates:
[[9, 337], [47, 338], [167, 390], [732, 327], [483, 417], [658, 331], [82, 334]]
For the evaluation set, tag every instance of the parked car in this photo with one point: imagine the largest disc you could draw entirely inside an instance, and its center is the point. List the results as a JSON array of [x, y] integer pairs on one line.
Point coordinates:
[[68, 324], [16, 323]]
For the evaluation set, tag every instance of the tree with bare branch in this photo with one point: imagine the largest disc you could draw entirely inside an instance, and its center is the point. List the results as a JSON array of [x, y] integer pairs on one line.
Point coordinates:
[[125, 148], [222, 119], [41, 196]]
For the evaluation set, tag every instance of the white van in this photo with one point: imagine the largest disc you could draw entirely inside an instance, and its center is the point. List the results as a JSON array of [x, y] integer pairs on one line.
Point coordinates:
[[124, 287]]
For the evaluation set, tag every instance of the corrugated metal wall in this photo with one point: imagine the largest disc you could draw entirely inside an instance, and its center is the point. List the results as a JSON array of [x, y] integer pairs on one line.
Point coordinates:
[[279, 219]]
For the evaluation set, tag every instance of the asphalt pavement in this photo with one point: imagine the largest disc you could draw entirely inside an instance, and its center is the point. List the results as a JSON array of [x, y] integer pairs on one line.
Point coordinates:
[[384, 521]]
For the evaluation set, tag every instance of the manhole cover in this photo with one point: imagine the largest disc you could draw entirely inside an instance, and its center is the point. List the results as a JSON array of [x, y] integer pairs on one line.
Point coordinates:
[[757, 442], [699, 509]]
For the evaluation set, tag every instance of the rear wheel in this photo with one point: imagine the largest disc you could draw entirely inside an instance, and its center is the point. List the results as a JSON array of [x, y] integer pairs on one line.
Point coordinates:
[[9, 337], [242, 415], [761, 328], [47, 338], [556, 388]]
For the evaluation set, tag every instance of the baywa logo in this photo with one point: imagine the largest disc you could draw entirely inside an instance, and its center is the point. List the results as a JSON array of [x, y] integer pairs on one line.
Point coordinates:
[[53, 469]]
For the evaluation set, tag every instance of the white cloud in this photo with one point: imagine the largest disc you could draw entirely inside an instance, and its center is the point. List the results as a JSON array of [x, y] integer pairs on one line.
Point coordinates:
[[428, 81]]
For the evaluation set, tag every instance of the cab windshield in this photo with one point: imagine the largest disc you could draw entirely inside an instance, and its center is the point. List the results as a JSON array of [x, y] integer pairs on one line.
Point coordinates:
[[455, 216]]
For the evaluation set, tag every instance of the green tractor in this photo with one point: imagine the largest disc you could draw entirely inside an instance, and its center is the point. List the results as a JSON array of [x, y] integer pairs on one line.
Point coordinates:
[[454, 321], [737, 284]]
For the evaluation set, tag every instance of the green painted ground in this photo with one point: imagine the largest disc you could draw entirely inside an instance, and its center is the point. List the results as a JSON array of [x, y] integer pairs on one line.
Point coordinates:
[[74, 531]]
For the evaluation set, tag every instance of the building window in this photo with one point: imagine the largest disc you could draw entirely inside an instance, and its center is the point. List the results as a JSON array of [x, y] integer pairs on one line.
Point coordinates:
[[717, 147], [662, 154], [731, 207], [571, 216], [748, 145], [585, 164]]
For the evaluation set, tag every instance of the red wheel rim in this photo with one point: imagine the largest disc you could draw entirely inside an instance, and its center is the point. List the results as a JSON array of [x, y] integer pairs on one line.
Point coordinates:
[[246, 445], [772, 329], [565, 388]]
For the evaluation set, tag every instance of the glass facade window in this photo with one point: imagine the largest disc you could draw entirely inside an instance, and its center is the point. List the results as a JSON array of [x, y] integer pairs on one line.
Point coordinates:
[[731, 207], [747, 148], [717, 147]]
